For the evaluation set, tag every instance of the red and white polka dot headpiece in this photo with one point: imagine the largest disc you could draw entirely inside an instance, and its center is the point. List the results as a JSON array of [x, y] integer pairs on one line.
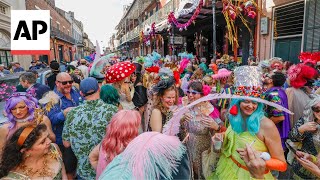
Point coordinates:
[[119, 71]]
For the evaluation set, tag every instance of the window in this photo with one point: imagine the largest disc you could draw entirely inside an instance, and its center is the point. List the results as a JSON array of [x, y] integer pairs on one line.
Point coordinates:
[[58, 26], [289, 19], [3, 10], [312, 30], [5, 57]]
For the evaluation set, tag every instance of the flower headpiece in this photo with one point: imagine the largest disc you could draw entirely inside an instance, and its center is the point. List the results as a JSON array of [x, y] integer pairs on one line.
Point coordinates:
[[26, 94], [299, 74]]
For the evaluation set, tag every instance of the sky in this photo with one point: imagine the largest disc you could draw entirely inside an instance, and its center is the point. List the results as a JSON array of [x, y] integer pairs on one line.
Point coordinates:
[[99, 17]]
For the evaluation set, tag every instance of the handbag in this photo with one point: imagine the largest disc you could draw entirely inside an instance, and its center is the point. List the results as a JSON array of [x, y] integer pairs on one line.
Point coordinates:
[[209, 162]]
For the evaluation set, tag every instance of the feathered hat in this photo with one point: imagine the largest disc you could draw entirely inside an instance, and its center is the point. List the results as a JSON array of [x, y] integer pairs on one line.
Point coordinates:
[[276, 63], [222, 73], [299, 75], [185, 60], [248, 81], [308, 57]]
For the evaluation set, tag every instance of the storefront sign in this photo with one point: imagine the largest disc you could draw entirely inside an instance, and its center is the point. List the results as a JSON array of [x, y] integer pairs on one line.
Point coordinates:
[[177, 40], [264, 26]]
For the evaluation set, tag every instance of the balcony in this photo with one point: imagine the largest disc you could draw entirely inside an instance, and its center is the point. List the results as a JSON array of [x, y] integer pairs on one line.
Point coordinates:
[[79, 42], [61, 35], [157, 17]]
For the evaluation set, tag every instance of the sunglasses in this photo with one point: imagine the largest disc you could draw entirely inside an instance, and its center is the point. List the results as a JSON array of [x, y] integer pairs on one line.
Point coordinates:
[[193, 92], [316, 109], [65, 82]]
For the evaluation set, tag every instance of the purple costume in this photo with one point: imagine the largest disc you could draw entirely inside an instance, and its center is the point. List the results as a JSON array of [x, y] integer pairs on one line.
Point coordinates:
[[278, 96]]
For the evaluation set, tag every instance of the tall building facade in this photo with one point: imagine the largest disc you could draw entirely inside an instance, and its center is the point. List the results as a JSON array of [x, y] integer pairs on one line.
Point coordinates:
[[61, 40]]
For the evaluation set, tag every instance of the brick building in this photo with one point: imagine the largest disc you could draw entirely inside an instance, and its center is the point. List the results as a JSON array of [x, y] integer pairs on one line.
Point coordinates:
[[61, 41]]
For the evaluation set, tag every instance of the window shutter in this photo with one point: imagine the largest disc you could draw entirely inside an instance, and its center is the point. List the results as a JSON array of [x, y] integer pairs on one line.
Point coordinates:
[[289, 19], [312, 33]]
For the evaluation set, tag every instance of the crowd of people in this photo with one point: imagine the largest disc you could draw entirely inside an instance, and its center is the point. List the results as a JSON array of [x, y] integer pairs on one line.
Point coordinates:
[[160, 118]]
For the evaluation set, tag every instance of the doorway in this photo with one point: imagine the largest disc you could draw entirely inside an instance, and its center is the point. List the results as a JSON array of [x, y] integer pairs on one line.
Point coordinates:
[[288, 49]]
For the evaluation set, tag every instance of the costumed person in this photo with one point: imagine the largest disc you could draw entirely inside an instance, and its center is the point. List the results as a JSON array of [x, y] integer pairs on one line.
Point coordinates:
[[21, 110], [29, 154], [185, 64], [167, 97], [203, 66], [199, 125], [98, 67], [223, 87], [152, 80], [122, 129], [275, 93], [110, 95], [248, 125], [301, 80], [224, 60], [213, 66], [276, 64], [151, 155], [84, 68], [119, 76], [197, 75], [140, 97], [306, 131], [232, 64]]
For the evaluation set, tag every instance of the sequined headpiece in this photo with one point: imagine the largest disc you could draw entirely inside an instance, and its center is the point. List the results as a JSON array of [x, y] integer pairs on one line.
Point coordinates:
[[248, 81]]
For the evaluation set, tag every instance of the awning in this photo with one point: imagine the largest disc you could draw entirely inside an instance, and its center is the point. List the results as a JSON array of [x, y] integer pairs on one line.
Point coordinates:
[[186, 7]]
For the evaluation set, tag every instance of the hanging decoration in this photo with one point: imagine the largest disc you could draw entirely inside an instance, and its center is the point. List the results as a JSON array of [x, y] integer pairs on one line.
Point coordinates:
[[184, 8], [238, 9], [146, 38], [172, 19]]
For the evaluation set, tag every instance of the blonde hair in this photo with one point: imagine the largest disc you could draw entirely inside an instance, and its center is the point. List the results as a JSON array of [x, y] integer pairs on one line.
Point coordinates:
[[208, 80]]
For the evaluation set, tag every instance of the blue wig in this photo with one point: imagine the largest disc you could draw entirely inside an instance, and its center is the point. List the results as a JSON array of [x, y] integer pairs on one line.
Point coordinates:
[[253, 121]]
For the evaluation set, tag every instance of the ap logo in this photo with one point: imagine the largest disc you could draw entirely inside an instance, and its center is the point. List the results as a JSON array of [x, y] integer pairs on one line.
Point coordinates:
[[30, 32]]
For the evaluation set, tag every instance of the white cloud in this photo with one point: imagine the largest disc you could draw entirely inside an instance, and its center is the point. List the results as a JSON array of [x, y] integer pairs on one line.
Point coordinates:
[[99, 17]]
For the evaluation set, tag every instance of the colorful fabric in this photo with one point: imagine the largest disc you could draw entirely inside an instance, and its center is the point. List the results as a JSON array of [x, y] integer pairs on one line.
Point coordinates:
[[277, 95], [224, 103], [84, 128], [226, 168], [310, 144]]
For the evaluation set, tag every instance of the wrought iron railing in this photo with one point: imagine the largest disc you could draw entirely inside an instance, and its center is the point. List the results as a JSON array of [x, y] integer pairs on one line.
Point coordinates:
[[61, 35], [157, 17]]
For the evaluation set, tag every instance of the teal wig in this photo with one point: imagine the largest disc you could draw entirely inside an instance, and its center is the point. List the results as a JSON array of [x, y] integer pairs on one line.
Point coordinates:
[[110, 95], [253, 121]]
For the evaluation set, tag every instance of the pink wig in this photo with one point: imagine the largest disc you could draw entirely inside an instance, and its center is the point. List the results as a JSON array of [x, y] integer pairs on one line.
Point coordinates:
[[123, 128]]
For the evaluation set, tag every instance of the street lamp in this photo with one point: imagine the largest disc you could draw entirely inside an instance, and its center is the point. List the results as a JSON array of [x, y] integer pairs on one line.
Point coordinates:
[[54, 47]]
